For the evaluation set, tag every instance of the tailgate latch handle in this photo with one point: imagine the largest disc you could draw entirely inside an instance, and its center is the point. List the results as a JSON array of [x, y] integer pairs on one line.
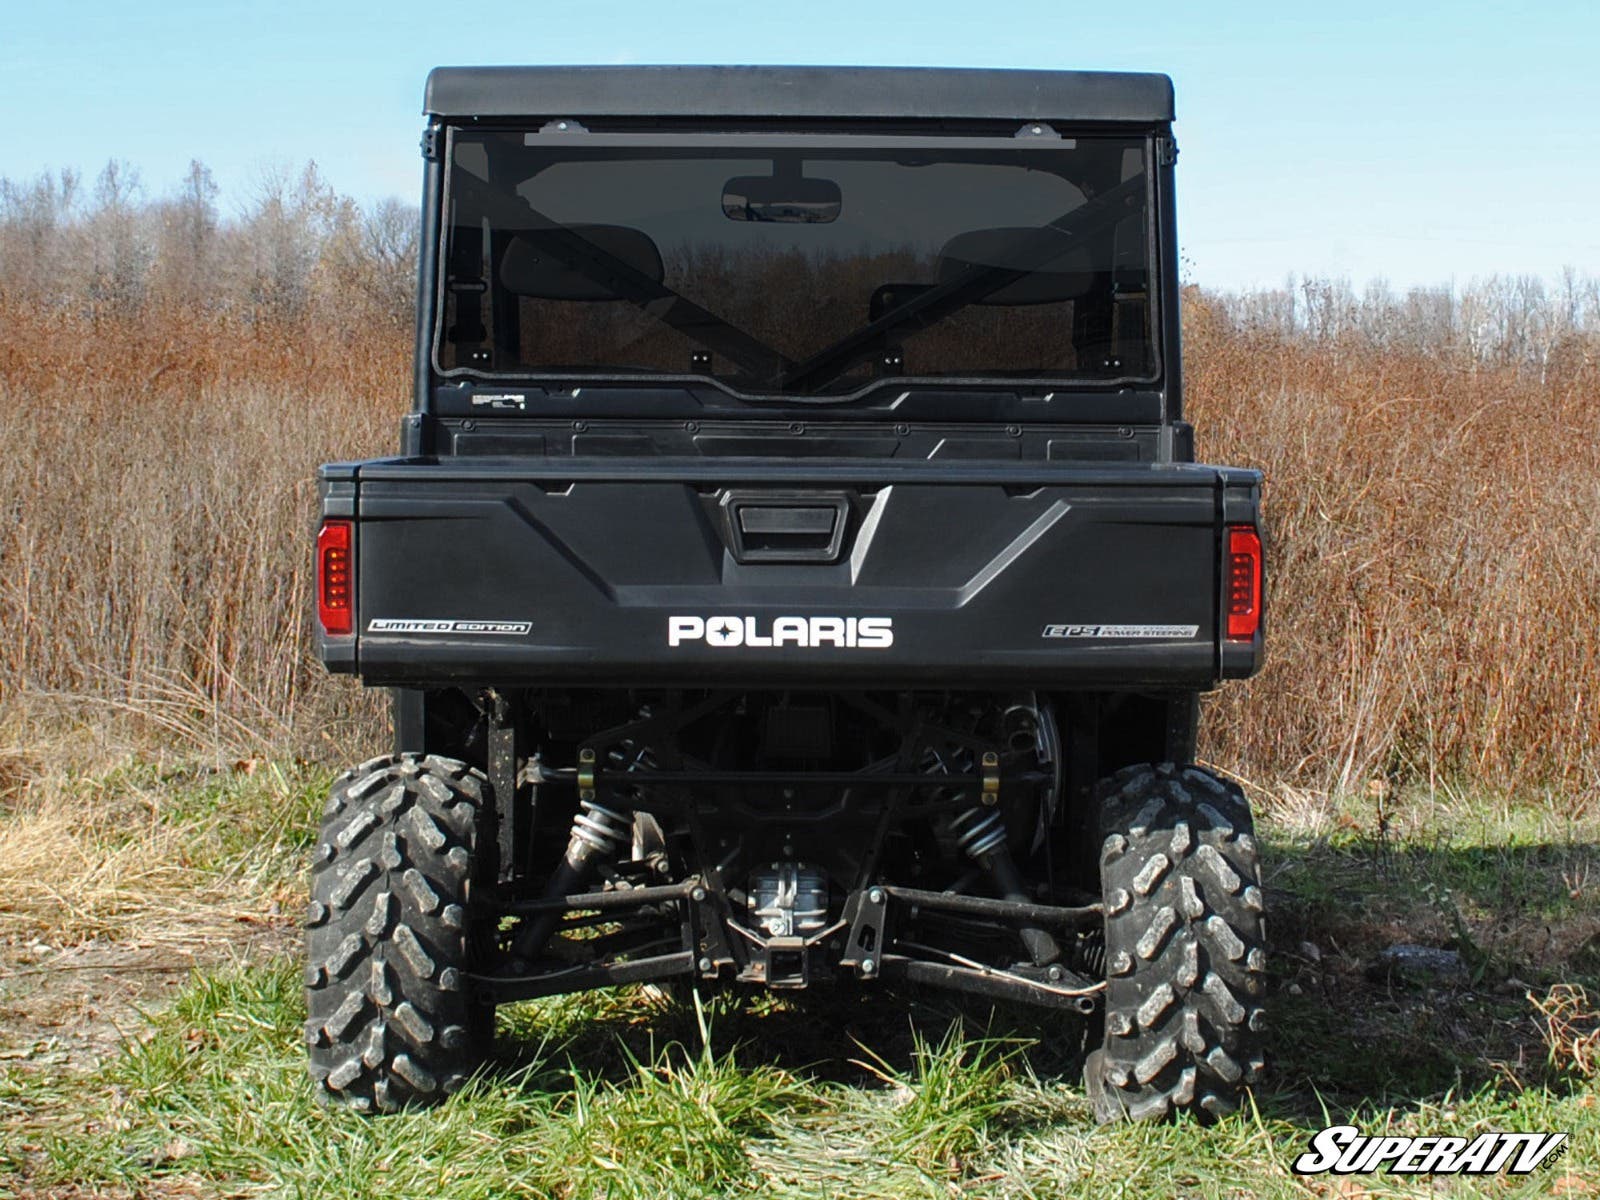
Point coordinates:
[[794, 527]]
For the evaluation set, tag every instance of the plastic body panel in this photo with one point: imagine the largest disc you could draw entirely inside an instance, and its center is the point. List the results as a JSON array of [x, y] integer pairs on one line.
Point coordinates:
[[992, 574], [778, 92]]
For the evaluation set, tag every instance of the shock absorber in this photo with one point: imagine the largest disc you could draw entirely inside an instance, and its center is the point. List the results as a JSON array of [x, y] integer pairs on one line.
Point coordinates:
[[598, 832], [981, 833]]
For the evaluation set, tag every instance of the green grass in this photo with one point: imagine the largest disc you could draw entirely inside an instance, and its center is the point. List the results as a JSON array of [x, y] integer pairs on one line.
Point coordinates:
[[216, 1097], [630, 1094], [259, 812]]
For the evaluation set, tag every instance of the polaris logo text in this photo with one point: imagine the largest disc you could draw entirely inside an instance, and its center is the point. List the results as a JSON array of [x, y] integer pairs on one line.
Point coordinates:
[[848, 633], [1345, 1150], [401, 625]]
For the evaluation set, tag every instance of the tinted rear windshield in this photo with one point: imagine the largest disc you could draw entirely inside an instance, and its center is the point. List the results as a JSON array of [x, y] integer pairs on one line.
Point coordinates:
[[793, 265]]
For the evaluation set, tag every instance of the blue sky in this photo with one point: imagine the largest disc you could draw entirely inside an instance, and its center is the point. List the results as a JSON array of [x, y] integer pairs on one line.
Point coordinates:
[[1422, 143]]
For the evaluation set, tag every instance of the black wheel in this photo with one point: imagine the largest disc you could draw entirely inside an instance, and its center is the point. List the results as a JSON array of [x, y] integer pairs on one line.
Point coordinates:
[[389, 936], [1185, 946]]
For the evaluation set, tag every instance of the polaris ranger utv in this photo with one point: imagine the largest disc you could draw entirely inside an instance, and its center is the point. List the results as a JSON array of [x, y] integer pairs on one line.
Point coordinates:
[[795, 572]]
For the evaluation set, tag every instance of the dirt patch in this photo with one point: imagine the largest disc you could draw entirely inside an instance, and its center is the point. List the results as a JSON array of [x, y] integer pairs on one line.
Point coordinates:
[[69, 1010]]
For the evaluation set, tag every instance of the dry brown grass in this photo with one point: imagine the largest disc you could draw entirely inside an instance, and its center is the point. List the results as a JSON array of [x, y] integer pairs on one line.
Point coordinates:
[[1435, 555], [68, 879], [145, 854], [1435, 531], [65, 881], [157, 498], [1570, 1025]]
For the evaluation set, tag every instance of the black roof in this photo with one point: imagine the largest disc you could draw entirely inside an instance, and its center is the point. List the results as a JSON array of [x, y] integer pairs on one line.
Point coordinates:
[[798, 92]]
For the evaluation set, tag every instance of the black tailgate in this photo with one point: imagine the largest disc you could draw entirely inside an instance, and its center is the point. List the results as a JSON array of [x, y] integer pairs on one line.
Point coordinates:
[[620, 571]]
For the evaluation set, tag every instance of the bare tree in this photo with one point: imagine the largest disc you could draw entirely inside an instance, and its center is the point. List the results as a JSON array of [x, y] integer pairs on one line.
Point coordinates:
[[280, 241], [367, 274], [36, 221], [117, 244], [186, 246]]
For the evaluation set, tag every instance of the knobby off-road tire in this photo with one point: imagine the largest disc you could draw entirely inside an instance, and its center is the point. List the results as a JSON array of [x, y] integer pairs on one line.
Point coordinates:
[[1185, 946], [389, 938]]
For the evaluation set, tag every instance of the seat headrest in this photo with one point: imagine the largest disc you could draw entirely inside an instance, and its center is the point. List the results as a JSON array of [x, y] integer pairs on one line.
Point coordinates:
[[1061, 266], [529, 269]]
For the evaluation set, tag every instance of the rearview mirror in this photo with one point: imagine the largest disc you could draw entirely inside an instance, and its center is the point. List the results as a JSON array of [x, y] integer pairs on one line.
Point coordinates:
[[793, 199]]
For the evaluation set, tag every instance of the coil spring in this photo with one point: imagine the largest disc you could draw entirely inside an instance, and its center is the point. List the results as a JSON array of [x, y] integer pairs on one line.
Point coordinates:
[[605, 830], [1090, 955], [979, 830]]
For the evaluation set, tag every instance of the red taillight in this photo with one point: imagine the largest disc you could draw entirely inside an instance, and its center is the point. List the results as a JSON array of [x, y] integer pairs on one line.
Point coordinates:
[[335, 585], [1243, 582]]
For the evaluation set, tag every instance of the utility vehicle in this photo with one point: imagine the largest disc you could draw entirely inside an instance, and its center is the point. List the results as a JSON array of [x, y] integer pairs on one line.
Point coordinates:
[[795, 572]]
